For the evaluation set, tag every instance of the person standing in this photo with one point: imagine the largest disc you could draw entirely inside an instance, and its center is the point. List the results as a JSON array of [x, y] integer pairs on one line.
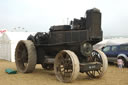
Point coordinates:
[[120, 63]]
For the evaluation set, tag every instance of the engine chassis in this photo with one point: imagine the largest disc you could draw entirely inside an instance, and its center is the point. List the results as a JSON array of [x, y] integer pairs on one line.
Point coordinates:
[[68, 49]]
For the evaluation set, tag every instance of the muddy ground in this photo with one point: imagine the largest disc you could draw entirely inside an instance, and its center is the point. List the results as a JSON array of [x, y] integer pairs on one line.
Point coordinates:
[[113, 76]]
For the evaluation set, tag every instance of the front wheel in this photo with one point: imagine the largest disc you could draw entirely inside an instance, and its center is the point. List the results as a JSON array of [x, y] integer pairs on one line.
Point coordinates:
[[66, 66], [98, 56]]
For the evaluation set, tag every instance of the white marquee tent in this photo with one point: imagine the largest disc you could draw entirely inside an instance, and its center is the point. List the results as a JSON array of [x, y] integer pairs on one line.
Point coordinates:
[[113, 41], [8, 42]]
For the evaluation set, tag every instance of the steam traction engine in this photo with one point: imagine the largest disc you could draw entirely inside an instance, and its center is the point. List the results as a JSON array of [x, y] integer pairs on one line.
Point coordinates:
[[66, 49]]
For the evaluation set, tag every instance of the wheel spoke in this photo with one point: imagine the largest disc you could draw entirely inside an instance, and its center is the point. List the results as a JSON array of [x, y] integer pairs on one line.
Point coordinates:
[[93, 72], [99, 72]]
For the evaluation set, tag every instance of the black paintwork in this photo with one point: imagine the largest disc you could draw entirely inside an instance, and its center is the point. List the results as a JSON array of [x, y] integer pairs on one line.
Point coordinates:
[[69, 37]]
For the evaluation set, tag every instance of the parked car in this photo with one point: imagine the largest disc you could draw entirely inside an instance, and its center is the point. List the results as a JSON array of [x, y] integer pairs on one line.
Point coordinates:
[[114, 52]]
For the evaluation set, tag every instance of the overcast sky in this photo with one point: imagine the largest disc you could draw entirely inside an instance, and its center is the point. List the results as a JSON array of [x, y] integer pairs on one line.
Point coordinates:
[[39, 15]]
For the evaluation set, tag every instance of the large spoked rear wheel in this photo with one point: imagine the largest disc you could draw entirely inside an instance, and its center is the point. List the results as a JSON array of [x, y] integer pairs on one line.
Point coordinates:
[[66, 66], [98, 56], [25, 56]]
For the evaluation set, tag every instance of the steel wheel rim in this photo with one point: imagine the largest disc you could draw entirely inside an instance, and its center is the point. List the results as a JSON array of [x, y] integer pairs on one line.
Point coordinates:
[[64, 66], [98, 56], [22, 56], [25, 56]]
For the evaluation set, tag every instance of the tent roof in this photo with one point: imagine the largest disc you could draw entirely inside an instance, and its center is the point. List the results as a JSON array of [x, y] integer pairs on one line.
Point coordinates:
[[16, 36], [114, 41]]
